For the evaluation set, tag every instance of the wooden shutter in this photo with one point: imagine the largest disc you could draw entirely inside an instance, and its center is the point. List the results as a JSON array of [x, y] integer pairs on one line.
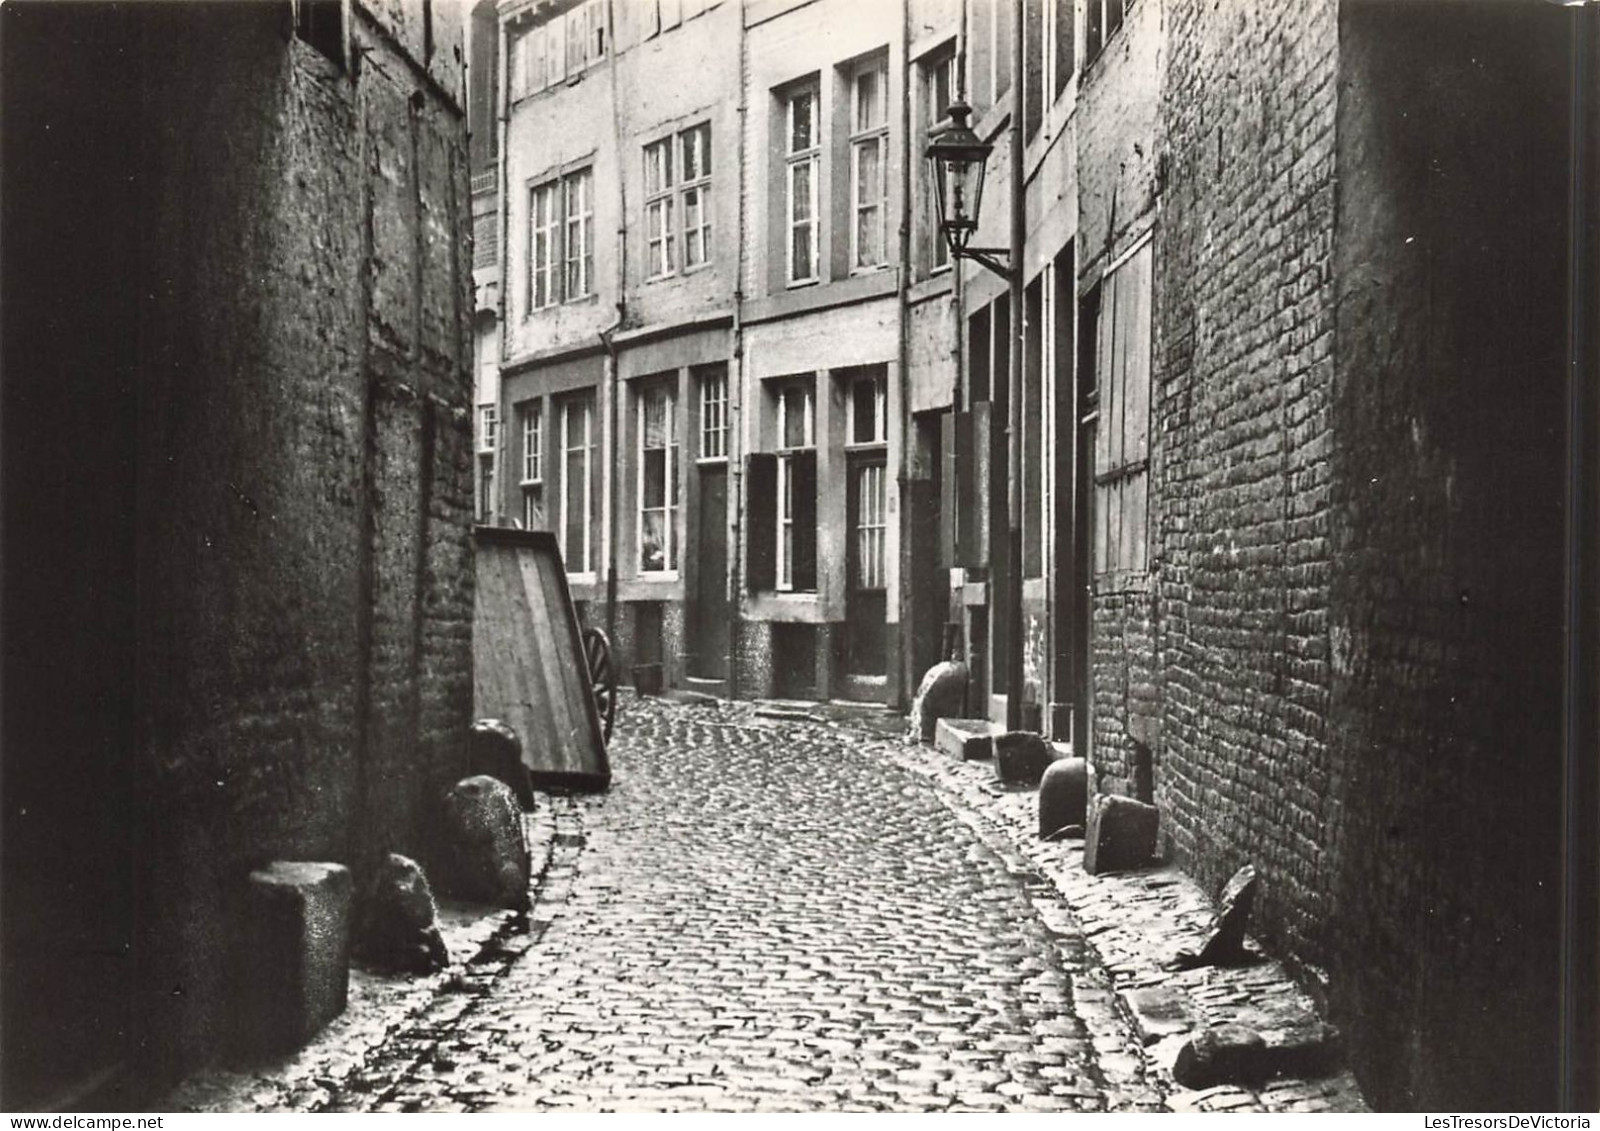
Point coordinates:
[[761, 514], [804, 468]]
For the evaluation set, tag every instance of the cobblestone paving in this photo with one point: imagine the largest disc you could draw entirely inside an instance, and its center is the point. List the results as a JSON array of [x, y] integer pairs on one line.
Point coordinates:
[[765, 916]]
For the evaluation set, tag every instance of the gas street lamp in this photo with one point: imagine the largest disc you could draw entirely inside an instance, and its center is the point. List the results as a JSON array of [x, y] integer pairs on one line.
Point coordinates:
[[958, 159]]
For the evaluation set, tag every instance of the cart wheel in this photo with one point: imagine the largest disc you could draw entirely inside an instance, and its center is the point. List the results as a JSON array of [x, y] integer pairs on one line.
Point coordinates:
[[602, 678]]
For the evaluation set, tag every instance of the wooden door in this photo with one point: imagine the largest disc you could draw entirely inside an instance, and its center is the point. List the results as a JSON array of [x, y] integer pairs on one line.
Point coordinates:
[[708, 616]]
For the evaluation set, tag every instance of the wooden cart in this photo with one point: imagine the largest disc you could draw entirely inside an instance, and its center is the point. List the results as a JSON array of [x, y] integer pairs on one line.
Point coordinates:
[[534, 666]]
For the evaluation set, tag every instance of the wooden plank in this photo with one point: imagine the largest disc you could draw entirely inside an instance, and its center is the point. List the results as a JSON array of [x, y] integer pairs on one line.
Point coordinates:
[[529, 667], [560, 735]]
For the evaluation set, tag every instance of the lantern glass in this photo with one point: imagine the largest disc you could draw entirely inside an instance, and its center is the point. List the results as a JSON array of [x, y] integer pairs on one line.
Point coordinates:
[[958, 158]]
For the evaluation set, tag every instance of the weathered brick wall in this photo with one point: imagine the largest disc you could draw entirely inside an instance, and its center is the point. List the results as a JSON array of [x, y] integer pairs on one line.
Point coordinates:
[[1446, 629], [1240, 509], [1117, 192], [305, 595], [1355, 519]]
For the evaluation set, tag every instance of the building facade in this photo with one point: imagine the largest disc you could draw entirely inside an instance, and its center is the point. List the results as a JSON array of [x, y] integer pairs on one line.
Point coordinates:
[[1289, 569], [241, 627]]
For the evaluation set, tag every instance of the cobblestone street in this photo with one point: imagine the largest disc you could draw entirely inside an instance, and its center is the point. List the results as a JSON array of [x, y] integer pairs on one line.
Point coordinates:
[[759, 915]]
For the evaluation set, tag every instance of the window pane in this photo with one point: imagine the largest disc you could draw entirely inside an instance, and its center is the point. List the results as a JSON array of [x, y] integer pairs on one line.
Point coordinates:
[[865, 397], [800, 195], [801, 134], [869, 110]]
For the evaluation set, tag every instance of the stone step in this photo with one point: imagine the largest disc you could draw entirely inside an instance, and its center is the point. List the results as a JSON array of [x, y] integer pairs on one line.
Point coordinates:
[[967, 739]]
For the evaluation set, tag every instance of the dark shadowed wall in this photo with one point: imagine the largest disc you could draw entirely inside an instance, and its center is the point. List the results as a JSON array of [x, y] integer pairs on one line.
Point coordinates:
[[241, 305]]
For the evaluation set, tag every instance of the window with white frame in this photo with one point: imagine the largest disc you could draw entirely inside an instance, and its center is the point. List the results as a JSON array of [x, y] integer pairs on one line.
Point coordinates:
[[579, 238], [530, 436], [937, 72], [1122, 431], [869, 422], [561, 239], [488, 427], [869, 153], [660, 228], [802, 165], [531, 426], [485, 492], [796, 436], [694, 145], [872, 527], [544, 239], [576, 415], [658, 478], [677, 185], [714, 414]]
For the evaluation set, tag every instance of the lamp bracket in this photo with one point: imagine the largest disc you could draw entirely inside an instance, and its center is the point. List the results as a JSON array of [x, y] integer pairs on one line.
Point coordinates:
[[990, 257]]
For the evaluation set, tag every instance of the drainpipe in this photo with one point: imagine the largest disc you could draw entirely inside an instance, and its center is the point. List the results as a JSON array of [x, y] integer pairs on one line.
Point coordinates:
[[613, 386], [502, 210], [1013, 592], [613, 377], [736, 376], [904, 564]]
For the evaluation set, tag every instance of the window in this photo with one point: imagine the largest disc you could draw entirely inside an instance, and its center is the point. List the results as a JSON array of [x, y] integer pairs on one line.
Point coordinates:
[[677, 183], [872, 527], [580, 234], [869, 151], [530, 429], [321, 23], [781, 486], [1101, 19], [802, 157], [714, 414], [939, 87], [561, 240], [577, 487], [531, 422], [1122, 433], [488, 427], [658, 220], [868, 407], [1062, 59], [545, 233], [485, 498], [546, 54], [658, 479], [796, 433], [695, 145]]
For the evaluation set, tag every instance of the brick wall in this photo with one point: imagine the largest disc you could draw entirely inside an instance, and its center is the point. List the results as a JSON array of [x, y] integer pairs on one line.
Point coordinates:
[[1350, 515], [1118, 189], [284, 380], [1242, 377], [1447, 626]]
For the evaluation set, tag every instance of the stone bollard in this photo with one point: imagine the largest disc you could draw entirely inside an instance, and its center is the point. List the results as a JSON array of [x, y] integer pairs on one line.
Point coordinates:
[[485, 846], [493, 748], [400, 922], [1121, 834], [1020, 757], [1063, 795], [295, 956], [940, 696]]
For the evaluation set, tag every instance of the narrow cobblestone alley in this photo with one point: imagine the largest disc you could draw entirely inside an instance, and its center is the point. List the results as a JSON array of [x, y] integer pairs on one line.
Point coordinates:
[[763, 915]]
